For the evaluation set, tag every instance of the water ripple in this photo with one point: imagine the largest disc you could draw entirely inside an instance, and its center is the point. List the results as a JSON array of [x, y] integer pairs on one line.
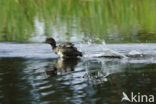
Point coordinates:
[[92, 80]]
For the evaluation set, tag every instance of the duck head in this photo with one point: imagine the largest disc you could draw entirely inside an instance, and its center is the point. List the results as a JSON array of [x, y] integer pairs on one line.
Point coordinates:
[[51, 41]]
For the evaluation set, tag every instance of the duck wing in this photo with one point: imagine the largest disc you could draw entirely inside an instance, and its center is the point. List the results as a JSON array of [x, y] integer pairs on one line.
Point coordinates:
[[68, 50], [71, 52], [65, 45]]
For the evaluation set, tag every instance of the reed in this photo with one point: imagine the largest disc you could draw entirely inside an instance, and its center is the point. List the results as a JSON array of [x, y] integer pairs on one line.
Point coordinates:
[[109, 20]]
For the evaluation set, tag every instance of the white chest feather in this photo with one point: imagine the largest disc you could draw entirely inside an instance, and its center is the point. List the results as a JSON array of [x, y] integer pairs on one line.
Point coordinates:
[[60, 54]]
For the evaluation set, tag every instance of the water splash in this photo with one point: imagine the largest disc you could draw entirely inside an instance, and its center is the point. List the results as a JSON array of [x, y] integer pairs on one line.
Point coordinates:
[[148, 52], [134, 52]]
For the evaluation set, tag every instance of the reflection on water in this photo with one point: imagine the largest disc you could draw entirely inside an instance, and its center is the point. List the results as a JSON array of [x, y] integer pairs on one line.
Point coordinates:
[[32, 73], [92, 81], [78, 20], [63, 66]]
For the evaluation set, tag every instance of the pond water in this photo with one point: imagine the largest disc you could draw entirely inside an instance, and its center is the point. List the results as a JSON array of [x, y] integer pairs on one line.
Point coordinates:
[[32, 74]]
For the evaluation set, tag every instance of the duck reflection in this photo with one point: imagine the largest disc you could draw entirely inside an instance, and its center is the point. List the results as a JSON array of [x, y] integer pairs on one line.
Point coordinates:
[[62, 66]]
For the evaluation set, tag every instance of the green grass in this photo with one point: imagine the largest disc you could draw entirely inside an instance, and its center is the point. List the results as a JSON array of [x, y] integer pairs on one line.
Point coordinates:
[[110, 20]]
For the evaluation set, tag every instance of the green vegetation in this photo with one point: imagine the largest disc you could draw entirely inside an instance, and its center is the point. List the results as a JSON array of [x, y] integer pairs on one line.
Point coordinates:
[[109, 20]]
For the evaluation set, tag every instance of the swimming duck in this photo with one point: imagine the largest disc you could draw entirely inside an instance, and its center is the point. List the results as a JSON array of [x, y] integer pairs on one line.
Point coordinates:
[[64, 50]]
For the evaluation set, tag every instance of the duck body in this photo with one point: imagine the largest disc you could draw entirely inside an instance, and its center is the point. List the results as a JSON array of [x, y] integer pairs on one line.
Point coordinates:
[[67, 50], [64, 50]]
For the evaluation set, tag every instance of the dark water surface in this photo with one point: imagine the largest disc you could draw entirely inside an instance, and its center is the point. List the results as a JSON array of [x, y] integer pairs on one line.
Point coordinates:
[[31, 74]]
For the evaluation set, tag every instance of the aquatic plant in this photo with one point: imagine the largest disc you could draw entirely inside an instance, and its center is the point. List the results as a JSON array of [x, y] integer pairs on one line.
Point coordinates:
[[109, 20]]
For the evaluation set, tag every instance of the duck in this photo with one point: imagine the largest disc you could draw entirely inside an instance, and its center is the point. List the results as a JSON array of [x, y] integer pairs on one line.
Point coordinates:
[[64, 50]]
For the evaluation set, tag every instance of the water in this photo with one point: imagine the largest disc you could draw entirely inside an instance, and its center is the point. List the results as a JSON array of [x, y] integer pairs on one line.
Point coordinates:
[[32, 74]]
